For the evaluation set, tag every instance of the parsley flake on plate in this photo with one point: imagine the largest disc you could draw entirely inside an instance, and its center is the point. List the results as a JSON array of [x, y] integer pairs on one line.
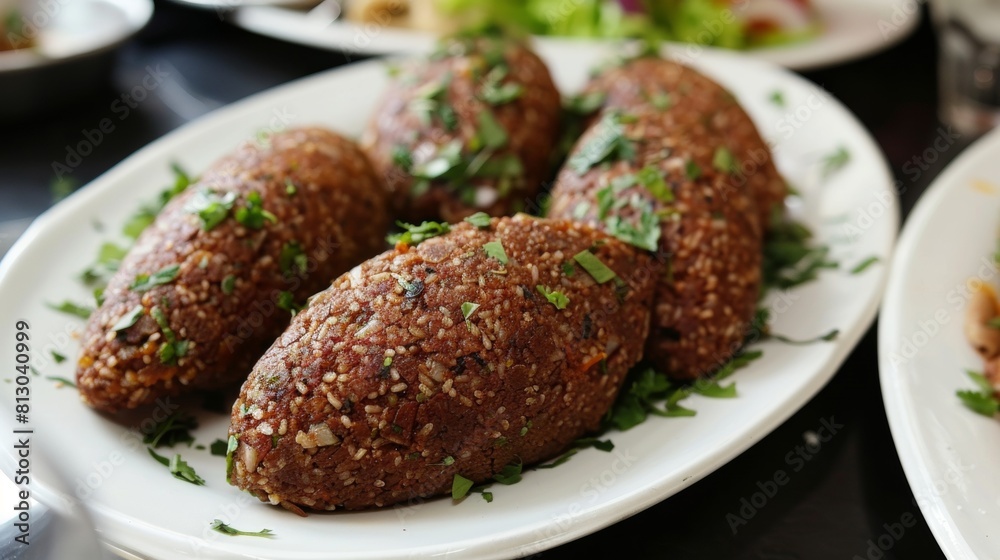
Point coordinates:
[[220, 527]]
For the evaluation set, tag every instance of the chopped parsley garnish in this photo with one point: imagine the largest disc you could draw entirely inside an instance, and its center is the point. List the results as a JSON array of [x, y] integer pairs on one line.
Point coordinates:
[[148, 212], [62, 380], [228, 284], [646, 387], [585, 103], [789, 259], [496, 93], [71, 308], [59, 358], [212, 207], [826, 337], [460, 487], [609, 143], [175, 429], [660, 101], [218, 447], [253, 215], [491, 132], [494, 249], [109, 258], [835, 161], [402, 157], [178, 467], [413, 235], [480, 219], [568, 268], [983, 400], [220, 527], [293, 259], [231, 446], [724, 160], [128, 319], [286, 301], [557, 299], [171, 349], [594, 266], [582, 443], [863, 265], [61, 187], [509, 474], [651, 178], [692, 170], [645, 234], [146, 282], [777, 97], [431, 100], [290, 188], [468, 308]]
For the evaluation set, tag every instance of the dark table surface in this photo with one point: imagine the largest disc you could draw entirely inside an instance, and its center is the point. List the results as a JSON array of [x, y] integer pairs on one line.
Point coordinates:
[[849, 493]]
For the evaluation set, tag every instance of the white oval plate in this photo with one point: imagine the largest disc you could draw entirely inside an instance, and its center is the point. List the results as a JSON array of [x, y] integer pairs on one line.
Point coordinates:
[[951, 455], [138, 506], [851, 29]]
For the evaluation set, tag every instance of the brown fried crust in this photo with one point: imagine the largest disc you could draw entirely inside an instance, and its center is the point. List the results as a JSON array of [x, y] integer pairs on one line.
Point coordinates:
[[324, 423], [337, 215], [710, 240], [531, 122], [695, 102]]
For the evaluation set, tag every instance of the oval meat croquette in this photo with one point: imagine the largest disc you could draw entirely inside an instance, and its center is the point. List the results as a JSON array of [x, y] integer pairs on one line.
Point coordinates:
[[669, 189], [210, 284], [694, 101], [466, 353], [470, 129]]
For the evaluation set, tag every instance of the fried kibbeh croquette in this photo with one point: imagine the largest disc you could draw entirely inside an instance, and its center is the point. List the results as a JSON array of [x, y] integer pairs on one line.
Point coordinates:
[[473, 350], [670, 189], [471, 128], [699, 104], [209, 284]]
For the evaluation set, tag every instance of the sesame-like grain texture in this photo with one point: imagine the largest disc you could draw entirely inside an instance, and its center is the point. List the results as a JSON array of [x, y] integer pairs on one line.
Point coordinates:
[[208, 325], [435, 106], [694, 101], [710, 240], [382, 379]]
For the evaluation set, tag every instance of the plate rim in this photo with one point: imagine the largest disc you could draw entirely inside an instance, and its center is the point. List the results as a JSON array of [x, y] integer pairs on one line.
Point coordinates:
[[789, 56], [137, 13], [898, 409]]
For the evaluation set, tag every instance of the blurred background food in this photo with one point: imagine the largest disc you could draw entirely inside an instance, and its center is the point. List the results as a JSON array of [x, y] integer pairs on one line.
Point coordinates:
[[735, 24]]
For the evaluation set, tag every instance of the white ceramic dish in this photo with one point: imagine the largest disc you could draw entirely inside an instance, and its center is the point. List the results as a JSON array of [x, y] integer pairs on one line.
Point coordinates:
[[950, 454], [72, 29], [851, 29], [138, 506]]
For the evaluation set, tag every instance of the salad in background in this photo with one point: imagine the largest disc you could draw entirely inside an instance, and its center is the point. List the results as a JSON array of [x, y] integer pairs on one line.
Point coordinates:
[[734, 24]]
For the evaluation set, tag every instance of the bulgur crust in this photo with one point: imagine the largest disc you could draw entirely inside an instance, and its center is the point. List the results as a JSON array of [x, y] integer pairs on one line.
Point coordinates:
[[407, 122], [710, 237], [697, 103], [324, 197], [381, 380]]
